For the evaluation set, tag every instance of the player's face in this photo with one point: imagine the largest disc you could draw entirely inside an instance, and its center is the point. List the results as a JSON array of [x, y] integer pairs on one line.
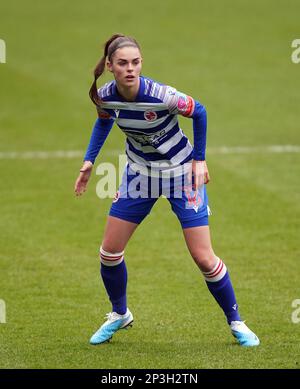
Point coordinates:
[[126, 66]]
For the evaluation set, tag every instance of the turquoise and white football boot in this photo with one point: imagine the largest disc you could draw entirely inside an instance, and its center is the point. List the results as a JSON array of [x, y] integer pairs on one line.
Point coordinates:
[[113, 323], [243, 334]]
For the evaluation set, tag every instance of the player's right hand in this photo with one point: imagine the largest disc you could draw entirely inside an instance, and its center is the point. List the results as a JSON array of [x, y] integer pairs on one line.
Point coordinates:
[[83, 178]]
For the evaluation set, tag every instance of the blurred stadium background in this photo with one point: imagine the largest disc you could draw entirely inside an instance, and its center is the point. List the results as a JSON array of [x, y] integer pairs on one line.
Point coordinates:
[[235, 57]]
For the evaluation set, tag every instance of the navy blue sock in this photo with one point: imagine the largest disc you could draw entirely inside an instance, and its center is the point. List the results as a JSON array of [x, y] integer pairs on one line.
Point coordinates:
[[219, 285], [115, 282]]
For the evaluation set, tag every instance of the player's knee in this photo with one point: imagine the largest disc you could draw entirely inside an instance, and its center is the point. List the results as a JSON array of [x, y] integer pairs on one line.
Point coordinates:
[[111, 257], [112, 244], [205, 259]]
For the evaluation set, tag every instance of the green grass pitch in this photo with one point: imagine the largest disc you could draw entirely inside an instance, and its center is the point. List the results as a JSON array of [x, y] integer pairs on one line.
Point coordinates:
[[235, 59]]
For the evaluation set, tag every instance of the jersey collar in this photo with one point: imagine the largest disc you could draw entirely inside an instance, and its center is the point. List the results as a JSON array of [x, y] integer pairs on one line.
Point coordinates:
[[139, 95]]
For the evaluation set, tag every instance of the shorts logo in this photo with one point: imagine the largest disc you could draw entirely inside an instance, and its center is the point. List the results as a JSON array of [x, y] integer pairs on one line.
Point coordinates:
[[117, 196], [150, 116], [193, 197]]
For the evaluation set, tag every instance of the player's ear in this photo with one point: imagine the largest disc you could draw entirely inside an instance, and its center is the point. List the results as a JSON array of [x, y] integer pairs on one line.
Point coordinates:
[[109, 66]]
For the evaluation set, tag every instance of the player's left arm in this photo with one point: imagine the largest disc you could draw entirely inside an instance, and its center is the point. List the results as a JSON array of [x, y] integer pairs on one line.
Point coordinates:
[[199, 166], [186, 106]]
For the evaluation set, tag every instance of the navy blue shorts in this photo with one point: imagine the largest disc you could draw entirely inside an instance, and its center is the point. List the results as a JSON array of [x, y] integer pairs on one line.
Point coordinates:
[[138, 193]]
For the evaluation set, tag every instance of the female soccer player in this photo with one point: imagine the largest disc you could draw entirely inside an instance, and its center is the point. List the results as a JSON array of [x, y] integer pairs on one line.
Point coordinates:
[[160, 160]]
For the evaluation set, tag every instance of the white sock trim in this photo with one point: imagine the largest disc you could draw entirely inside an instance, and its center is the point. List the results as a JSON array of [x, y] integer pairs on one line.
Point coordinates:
[[111, 259], [217, 273]]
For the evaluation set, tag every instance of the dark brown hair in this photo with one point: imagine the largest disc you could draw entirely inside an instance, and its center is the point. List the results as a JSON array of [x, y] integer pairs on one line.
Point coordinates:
[[115, 42]]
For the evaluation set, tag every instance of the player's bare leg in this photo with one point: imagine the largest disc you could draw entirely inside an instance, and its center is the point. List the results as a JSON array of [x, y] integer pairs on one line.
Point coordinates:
[[117, 234], [199, 244]]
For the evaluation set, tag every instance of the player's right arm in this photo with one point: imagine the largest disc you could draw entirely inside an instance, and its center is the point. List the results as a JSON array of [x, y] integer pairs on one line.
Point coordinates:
[[100, 132]]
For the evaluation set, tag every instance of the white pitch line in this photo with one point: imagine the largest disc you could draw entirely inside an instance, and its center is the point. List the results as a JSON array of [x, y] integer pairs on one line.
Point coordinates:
[[68, 154], [254, 149], [41, 154]]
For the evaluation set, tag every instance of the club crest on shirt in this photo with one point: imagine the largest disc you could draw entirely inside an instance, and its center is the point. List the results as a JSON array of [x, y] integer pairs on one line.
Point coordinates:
[[150, 115], [194, 200]]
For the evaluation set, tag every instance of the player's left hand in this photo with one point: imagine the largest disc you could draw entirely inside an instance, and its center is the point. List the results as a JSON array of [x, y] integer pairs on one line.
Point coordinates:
[[200, 172]]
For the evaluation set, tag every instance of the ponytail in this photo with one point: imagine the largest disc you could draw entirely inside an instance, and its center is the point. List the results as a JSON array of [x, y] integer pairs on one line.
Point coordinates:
[[114, 42], [99, 69]]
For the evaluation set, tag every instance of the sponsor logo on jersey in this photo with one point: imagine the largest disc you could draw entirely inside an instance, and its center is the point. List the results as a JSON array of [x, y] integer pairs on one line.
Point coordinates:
[[150, 115], [149, 139]]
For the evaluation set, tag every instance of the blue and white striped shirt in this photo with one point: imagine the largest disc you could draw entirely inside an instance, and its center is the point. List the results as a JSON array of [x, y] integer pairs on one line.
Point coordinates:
[[154, 140]]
